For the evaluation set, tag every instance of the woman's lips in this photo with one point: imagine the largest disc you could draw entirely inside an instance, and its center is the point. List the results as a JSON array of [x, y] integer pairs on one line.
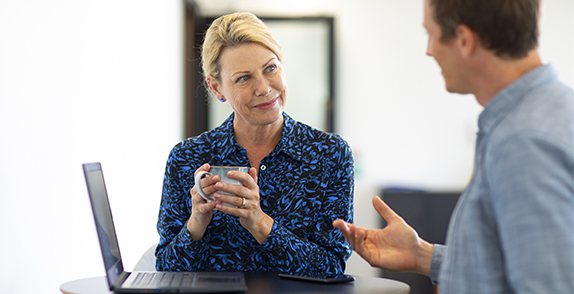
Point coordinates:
[[268, 105]]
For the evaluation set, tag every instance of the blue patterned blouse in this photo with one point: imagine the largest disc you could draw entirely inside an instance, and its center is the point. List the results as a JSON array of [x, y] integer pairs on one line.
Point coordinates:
[[305, 183]]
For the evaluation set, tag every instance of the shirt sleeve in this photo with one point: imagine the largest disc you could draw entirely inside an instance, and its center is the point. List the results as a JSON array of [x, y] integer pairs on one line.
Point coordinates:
[[326, 252], [176, 248], [532, 190], [436, 262]]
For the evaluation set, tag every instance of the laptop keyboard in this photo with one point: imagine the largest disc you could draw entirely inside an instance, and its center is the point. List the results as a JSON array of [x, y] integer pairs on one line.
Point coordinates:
[[163, 279]]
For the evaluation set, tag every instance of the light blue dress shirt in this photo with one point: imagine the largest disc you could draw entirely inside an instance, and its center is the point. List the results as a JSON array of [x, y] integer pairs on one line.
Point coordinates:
[[512, 230]]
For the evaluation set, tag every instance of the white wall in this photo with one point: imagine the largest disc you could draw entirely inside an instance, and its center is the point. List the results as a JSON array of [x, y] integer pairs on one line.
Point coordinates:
[[404, 128], [83, 81], [101, 81]]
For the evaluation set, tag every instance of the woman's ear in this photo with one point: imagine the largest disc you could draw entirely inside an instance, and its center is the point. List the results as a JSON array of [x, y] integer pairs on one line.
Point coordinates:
[[214, 86]]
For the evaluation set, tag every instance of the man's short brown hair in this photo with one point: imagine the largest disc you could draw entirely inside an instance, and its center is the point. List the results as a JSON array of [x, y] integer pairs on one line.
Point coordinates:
[[508, 27]]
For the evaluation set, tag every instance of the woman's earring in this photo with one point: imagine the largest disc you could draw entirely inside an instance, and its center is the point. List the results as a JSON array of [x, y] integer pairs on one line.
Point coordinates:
[[222, 99]]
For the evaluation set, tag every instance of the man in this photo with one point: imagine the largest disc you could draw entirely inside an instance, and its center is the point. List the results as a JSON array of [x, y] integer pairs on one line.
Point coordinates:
[[513, 228]]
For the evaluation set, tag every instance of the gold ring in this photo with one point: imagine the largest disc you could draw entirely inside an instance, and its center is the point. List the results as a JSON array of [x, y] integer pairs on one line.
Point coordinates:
[[242, 203]]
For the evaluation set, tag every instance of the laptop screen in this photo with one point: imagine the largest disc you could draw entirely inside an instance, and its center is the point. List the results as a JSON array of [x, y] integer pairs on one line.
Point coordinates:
[[103, 220]]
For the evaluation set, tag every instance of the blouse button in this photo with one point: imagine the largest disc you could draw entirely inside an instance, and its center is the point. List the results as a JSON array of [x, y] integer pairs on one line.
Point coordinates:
[[263, 167]]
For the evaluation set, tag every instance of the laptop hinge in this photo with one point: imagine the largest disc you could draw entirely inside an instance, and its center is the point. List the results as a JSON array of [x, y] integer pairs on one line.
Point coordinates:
[[120, 280]]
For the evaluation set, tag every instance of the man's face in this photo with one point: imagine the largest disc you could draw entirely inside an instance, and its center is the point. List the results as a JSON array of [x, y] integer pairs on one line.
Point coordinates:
[[446, 54]]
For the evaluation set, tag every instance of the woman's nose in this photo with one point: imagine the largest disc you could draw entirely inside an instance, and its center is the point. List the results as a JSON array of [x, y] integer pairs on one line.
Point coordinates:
[[262, 87]]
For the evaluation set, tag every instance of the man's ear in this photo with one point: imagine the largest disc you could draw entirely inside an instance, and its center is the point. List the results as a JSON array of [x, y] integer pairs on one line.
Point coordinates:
[[466, 40]]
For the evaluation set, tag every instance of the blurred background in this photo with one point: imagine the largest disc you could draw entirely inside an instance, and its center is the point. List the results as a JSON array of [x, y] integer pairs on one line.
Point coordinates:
[[84, 81]]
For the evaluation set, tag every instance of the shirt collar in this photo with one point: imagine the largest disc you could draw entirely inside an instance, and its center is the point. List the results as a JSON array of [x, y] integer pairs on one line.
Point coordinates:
[[506, 99], [225, 139], [289, 143]]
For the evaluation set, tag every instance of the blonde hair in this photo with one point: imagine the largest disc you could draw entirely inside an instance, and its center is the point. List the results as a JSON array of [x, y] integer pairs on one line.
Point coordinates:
[[232, 30]]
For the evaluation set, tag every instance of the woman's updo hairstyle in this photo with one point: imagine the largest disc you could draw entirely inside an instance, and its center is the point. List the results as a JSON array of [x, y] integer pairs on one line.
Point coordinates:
[[232, 30]]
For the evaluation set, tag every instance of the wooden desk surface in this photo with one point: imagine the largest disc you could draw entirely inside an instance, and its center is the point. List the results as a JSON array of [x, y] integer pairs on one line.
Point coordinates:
[[266, 283]]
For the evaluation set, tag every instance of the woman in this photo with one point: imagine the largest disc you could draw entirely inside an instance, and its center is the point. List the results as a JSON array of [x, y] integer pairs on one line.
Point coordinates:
[[300, 179]]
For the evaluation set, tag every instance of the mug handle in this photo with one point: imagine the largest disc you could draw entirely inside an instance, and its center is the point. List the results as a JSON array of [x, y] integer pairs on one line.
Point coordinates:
[[200, 175]]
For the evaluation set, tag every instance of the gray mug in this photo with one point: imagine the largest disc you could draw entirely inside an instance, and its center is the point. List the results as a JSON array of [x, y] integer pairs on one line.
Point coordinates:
[[221, 171]]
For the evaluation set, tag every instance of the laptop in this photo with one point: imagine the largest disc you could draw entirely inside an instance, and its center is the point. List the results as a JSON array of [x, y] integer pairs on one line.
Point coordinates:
[[121, 281]]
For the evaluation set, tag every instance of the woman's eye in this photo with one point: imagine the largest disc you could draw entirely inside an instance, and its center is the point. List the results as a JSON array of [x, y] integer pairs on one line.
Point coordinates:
[[271, 67], [242, 79]]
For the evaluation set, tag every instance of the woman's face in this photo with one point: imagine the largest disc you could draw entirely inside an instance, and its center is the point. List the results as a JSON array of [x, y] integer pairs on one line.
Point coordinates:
[[253, 82]]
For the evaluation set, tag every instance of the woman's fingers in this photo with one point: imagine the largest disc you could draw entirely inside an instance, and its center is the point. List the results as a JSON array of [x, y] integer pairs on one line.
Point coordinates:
[[236, 190], [249, 180], [204, 167], [208, 184]]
